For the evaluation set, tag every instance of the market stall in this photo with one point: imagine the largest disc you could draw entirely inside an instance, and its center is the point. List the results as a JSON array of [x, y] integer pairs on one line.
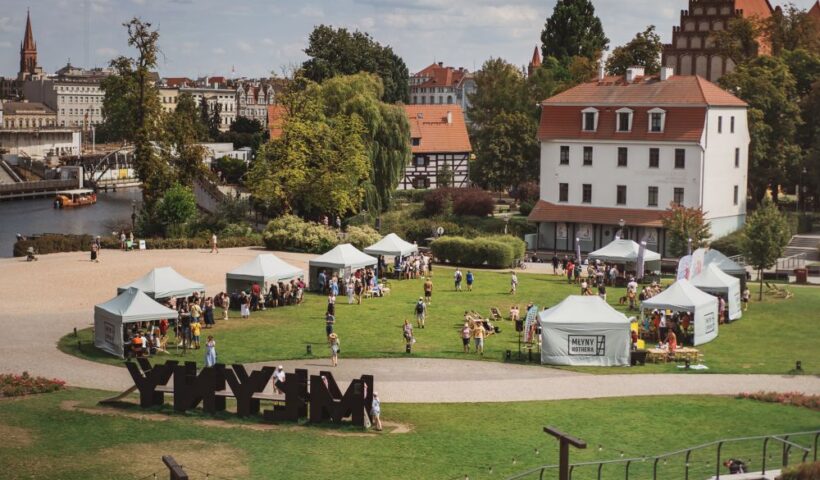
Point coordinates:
[[682, 296], [392, 246], [584, 330], [626, 252], [164, 282], [265, 269], [343, 260], [726, 265], [713, 280], [130, 306]]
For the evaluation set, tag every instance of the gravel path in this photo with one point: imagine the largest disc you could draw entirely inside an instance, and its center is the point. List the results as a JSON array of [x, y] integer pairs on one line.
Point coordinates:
[[44, 300]]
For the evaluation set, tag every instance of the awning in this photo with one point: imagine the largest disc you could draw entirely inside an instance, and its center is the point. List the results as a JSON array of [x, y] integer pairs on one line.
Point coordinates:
[[551, 212]]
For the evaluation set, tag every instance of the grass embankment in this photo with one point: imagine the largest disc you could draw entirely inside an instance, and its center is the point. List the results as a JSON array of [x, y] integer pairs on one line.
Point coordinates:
[[43, 440], [769, 338]]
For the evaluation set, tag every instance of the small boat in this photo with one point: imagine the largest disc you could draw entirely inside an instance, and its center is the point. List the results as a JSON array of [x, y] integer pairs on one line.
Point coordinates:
[[75, 198]]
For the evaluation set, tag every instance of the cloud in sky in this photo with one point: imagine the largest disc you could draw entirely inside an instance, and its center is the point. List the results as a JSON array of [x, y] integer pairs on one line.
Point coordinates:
[[260, 36]]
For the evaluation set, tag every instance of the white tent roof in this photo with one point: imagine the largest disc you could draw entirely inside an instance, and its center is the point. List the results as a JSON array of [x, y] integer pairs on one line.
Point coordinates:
[[623, 250], [681, 295], [164, 282], [265, 267], [712, 278], [577, 309], [343, 256], [132, 305], [393, 245], [714, 257]]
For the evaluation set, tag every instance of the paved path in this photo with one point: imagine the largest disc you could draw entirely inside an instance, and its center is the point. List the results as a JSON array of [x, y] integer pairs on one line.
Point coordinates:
[[44, 300]]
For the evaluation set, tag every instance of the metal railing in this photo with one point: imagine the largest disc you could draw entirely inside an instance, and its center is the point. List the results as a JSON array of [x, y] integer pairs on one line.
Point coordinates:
[[738, 259], [792, 262], [620, 468]]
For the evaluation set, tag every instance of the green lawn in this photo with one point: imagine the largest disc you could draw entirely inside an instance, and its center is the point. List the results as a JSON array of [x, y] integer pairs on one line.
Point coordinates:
[[445, 441], [769, 339]]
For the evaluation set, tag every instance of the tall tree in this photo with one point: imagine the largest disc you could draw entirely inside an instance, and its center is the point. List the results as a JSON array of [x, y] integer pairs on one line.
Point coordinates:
[[682, 224], [506, 152], [335, 52], [573, 30], [215, 120], [183, 129], [740, 40], [176, 207], [791, 28], [500, 88], [764, 238], [766, 84], [644, 50]]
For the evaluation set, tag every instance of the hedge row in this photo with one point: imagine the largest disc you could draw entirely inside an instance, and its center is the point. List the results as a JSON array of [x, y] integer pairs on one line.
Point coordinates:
[[53, 243], [291, 233], [463, 201], [500, 251]]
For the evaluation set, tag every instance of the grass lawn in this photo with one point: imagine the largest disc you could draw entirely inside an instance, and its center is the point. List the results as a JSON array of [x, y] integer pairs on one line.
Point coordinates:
[[769, 338], [445, 441]]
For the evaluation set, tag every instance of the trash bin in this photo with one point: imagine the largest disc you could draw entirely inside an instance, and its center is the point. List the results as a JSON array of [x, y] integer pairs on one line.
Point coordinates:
[[802, 276]]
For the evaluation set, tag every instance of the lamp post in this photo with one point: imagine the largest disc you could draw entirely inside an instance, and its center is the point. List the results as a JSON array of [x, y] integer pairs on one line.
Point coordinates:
[[621, 224], [133, 214], [689, 246]]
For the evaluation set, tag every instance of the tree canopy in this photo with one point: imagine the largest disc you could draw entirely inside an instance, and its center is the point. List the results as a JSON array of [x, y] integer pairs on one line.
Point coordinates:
[[764, 238], [336, 52], [644, 50], [573, 30], [507, 151], [684, 223]]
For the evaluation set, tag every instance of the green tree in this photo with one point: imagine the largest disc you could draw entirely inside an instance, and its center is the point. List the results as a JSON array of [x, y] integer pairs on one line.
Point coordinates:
[[205, 115], [740, 39], [500, 88], [244, 132], [182, 131], [573, 30], [444, 176], [550, 79], [506, 152], [792, 28], [764, 238], [176, 207], [185, 120], [766, 84], [681, 224], [119, 122], [215, 120], [644, 50], [336, 52]]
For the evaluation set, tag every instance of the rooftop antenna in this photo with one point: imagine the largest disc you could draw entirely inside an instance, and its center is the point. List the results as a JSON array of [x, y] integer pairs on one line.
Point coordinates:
[[86, 43]]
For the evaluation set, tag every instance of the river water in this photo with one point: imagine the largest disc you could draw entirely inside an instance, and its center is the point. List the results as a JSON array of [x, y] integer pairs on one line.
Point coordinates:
[[29, 217]]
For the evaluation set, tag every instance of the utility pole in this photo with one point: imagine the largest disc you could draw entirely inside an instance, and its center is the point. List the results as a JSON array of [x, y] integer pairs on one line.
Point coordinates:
[[565, 441]]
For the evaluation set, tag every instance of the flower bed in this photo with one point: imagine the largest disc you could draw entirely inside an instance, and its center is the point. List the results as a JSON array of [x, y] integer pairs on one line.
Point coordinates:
[[812, 402], [12, 385]]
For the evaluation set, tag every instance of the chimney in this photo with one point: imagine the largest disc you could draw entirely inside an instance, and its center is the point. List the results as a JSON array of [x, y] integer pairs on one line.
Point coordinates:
[[440, 64], [449, 118], [601, 72], [666, 73], [632, 73]]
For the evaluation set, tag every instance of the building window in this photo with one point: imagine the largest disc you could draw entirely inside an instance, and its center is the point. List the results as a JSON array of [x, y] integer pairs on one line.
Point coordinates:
[[586, 195], [587, 156], [720, 124], [589, 120], [622, 156], [677, 196], [624, 116], [563, 192], [657, 118], [732, 124], [420, 161], [620, 198], [564, 160], [654, 157], [737, 190], [421, 182], [652, 200], [737, 157], [680, 158]]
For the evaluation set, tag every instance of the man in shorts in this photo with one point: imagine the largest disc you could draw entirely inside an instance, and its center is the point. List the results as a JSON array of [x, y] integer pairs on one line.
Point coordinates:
[[457, 279], [428, 291], [465, 337], [421, 312], [478, 337]]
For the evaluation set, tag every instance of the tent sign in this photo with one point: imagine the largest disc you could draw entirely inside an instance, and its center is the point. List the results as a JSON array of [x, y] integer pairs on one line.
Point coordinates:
[[587, 345], [711, 324]]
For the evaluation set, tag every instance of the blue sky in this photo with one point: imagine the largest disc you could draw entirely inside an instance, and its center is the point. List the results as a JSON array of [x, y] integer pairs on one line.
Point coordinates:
[[256, 37]]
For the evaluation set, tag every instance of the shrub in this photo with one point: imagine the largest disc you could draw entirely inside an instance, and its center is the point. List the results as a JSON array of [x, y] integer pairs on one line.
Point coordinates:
[[18, 385], [812, 402], [729, 245], [804, 471], [526, 192], [363, 236], [435, 201], [498, 251], [291, 233], [473, 201], [414, 196], [525, 208], [53, 243], [236, 230]]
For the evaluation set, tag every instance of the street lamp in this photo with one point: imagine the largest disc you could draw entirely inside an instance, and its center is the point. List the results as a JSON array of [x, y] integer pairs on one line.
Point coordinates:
[[621, 224], [133, 214], [689, 246]]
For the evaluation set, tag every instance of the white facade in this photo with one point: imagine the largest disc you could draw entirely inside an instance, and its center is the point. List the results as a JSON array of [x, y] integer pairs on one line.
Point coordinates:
[[225, 97], [41, 143], [78, 103]]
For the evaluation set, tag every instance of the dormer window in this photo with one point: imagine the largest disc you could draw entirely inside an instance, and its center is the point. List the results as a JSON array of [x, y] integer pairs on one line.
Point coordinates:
[[657, 119], [416, 141], [589, 119], [624, 120]]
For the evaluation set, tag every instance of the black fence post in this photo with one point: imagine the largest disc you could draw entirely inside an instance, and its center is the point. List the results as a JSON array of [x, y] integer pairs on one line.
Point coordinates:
[[765, 447], [175, 469]]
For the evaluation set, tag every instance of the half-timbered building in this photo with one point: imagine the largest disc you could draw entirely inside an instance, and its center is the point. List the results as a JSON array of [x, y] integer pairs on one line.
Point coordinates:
[[439, 140]]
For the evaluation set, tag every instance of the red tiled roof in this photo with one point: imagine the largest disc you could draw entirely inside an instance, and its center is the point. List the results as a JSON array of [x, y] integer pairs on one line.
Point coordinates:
[[682, 124], [276, 120], [647, 91], [536, 58], [177, 81], [550, 212], [213, 80], [754, 8], [429, 123], [440, 76]]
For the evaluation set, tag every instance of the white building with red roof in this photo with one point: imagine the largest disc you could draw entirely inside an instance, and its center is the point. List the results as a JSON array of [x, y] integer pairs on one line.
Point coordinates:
[[440, 85], [616, 152], [439, 142]]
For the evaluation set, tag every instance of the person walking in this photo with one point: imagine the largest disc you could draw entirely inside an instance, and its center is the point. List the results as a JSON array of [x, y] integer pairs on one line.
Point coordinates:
[[555, 264], [196, 331], [122, 240], [210, 351], [208, 313], [457, 279], [409, 339], [428, 291], [333, 341], [226, 304], [747, 295], [330, 321], [375, 412], [214, 247], [465, 337], [478, 337], [94, 252], [513, 283], [470, 278], [421, 312], [245, 305], [350, 290]]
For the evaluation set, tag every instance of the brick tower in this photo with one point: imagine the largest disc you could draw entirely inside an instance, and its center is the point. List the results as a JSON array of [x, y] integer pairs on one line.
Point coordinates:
[[28, 54]]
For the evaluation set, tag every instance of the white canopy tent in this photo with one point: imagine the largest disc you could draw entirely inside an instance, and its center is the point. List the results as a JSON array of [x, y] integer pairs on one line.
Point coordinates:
[[391, 246], [683, 296], [584, 331], [265, 269], [130, 306], [623, 251], [726, 265], [713, 280], [164, 282], [342, 259]]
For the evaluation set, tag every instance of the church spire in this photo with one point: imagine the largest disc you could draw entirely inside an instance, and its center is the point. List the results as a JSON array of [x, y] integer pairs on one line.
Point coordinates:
[[28, 39], [28, 53], [535, 62]]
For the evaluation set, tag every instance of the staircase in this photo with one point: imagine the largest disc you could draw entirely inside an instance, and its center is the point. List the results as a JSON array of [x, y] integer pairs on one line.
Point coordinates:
[[804, 243]]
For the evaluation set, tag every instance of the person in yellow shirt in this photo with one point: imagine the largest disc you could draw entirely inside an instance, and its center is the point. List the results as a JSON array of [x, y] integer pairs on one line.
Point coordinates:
[[196, 329], [478, 337]]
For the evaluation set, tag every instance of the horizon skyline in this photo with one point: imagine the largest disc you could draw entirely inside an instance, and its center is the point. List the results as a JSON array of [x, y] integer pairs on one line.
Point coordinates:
[[413, 28]]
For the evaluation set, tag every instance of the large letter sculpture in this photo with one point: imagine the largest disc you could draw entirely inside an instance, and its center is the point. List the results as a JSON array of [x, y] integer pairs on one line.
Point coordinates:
[[148, 378], [327, 401], [190, 389], [296, 397], [244, 386]]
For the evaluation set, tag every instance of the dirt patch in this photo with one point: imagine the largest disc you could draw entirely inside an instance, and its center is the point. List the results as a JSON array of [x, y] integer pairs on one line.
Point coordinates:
[[15, 437], [198, 458]]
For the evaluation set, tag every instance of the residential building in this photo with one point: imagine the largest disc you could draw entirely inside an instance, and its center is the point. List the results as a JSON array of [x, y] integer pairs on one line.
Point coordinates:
[[253, 99], [616, 152], [439, 142], [26, 115], [29, 130], [214, 94], [693, 52], [168, 98], [74, 93], [439, 85]]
